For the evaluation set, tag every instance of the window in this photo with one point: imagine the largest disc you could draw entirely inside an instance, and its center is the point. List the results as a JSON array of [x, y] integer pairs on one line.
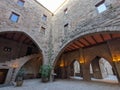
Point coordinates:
[[43, 30], [66, 25], [101, 7], [66, 28], [65, 11], [14, 17], [44, 18], [21, 2]]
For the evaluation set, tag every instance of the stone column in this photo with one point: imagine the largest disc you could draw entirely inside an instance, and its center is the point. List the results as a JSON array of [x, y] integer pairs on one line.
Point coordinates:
[[68, 72], [117, 67], [81, 71], [63, 73], [86, 72], [96, 69]]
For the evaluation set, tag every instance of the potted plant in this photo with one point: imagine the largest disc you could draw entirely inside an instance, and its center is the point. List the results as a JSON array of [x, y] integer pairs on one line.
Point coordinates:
[[19, 79], [45, 71]]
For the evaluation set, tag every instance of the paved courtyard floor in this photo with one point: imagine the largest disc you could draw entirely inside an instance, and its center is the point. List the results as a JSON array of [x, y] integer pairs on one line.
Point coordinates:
[[71, 84]]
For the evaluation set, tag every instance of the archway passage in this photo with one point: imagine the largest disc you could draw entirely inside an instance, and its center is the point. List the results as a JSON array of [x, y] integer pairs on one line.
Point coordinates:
[[102, 71], [75, 70], [3, 74], [17, 49], [86, 48]]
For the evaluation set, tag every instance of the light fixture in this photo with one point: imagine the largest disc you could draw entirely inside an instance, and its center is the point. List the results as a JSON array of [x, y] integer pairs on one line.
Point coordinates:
[[82, 61], [62, 63], [116, 58]]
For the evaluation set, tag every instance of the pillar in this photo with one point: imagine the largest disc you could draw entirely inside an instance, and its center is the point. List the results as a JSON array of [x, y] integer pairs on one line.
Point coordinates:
[[117, 67], [96, 69], [86, 72]]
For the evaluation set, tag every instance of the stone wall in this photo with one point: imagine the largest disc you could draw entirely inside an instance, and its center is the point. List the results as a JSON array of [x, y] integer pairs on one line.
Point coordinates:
[[82, 18], [30, 21]]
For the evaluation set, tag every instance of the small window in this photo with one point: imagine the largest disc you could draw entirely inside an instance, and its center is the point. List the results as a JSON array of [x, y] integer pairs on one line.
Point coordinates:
[[101, 7], [44, 18], [21, 2], [43, 30], [65, 11], [14, 17], [66, 28], [66, 25]]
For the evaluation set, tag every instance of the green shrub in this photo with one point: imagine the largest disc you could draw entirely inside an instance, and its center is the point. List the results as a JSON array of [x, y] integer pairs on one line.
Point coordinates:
[[45, 71]]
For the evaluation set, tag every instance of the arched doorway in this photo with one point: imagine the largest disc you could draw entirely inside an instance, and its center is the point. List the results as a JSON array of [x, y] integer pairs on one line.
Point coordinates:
[[102, 70], [75, 70], [17, 48]]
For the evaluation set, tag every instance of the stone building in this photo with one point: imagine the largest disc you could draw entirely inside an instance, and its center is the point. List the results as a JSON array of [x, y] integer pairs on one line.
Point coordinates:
[[31, 35]]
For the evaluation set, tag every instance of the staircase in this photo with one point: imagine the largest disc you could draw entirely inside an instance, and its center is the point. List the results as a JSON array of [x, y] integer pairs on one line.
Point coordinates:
[[15, 65]]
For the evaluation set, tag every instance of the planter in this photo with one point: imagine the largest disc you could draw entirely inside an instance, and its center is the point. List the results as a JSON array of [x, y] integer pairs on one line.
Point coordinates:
[[44, 79], [45, 72], [19, 81]]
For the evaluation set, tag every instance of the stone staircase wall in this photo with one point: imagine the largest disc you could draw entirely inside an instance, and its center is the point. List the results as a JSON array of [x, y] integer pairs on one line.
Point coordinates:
[[15, 65]]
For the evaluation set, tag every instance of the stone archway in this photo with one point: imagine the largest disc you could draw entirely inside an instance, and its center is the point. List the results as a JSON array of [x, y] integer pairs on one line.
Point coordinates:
[[107, 22], [74, 68], [17, 48], [102, 70], [32, 67], [86, 47]]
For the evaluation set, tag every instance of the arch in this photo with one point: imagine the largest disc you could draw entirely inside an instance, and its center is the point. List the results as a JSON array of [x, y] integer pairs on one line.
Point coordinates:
[[100, 71], [76, 68], [80, 35], [99, 57], [107, 59], [28, 35], [87, 54], [15, 61], [74, 60], [31, 67]]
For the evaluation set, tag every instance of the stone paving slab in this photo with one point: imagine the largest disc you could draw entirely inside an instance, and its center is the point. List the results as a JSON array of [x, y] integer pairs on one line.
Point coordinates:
[[64, 85]]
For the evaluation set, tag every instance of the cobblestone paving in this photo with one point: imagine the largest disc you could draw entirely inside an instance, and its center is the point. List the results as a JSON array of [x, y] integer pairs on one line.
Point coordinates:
[[64, 85]]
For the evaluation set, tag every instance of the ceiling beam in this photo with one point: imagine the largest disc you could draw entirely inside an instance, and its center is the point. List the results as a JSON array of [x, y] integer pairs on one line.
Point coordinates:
[[102, 37], [77, 44], [86, 40], [81, 42], [94, 39]]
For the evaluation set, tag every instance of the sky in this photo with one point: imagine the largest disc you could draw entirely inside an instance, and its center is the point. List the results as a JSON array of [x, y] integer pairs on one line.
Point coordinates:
[[102, 8], [51, 5]]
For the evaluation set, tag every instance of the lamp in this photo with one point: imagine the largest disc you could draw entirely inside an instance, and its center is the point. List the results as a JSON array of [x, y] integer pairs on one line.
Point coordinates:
[[62, 64], [116, 58], [82, 61]]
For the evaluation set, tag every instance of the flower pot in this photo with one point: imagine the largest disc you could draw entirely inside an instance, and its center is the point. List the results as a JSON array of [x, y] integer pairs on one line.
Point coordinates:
[[19, 83]]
